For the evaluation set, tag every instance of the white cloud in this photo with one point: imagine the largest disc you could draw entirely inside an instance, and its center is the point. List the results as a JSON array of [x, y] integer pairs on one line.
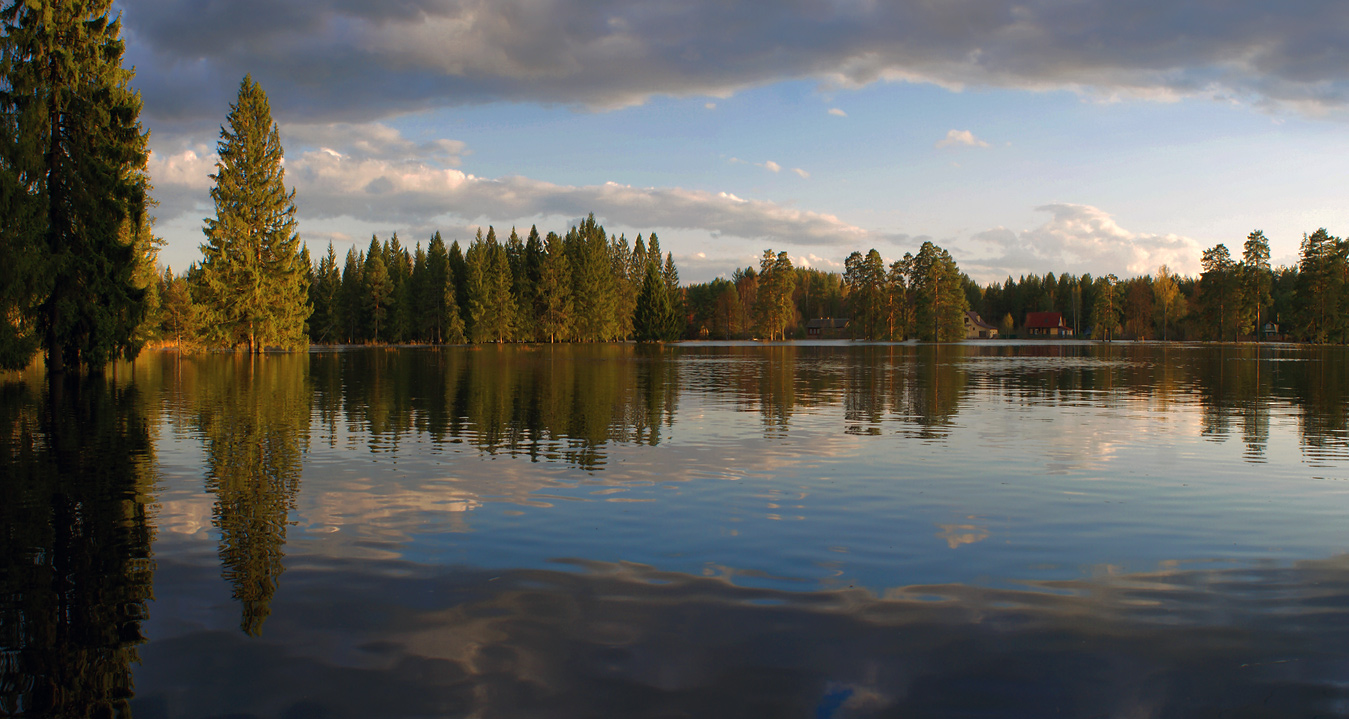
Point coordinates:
[[1077, 239], [711, 106], [960, 138], [348, 172], [802, 173], [836, 112], [371, 141], [772, 166]]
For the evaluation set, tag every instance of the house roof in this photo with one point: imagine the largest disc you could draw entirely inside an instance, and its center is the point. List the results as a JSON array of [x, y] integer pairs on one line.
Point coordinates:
[[828, 323], [1043, 320], [978, 321]]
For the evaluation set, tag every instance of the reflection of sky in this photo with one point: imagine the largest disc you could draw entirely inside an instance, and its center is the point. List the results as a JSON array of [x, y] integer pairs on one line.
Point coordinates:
[[398, 640], [1020, 486]]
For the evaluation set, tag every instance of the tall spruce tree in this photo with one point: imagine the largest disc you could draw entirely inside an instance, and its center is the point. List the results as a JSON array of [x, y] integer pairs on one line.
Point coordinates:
[[253, 278], [556, 312], [72, 185], [377, 291], [654, 319], [325, 295]]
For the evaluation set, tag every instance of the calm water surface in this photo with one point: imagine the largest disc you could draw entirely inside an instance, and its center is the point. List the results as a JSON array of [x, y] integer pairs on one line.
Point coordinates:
[[807, 530]]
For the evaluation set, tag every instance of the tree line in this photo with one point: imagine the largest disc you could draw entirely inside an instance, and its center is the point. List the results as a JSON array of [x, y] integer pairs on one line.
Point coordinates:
[[1231, 299], [80, 282]]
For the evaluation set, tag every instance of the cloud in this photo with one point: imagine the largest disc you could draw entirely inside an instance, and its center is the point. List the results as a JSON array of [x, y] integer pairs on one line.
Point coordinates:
[[837, 112], [1077, 239], [367, 174], [771, 166], [960, 138], [371, 141], [330, 60], [802, 173]]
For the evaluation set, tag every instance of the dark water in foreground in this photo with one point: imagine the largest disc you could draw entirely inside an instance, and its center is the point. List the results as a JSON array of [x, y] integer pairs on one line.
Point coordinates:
[[827, 530]]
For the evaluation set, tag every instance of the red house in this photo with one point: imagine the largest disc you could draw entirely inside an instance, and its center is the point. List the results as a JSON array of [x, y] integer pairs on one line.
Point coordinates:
[[1047, 324]]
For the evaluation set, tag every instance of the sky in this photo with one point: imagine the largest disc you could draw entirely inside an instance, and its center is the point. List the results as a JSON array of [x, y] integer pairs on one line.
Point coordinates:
[[1024, 137]]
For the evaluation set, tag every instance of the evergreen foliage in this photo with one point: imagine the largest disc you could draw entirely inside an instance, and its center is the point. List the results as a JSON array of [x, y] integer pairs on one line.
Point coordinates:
[[654, 319], [555, 287], [77, 263], [773, 308], [253, 280], [940, 302]]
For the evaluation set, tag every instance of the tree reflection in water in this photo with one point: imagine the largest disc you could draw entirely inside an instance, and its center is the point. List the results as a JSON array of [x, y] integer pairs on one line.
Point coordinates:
[[76, 464], [565, 403], [253, 416]]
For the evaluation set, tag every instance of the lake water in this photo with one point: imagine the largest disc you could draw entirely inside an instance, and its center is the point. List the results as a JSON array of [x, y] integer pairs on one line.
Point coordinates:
[[702, 530]]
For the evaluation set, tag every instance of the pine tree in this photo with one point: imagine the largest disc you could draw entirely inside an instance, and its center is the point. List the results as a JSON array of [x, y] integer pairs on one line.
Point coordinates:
[[1216, 284], [1257, 279], [1319, 285], [773, 306], [865, 278], [253, 277], [72, 184], [940, 303]]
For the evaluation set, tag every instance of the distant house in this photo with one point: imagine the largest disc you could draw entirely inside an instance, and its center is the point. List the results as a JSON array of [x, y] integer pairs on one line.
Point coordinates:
[[977, 329], [1047, 324], [827, 328], [1271, 332]]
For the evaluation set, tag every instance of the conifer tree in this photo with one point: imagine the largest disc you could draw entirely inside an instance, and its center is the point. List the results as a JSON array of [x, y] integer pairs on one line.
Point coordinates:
[[353, 296], [439, 286], [654, 318], [773, 307], [452, 321], [594, 288], [865, 278], [418, 298], [1256, 280], [459, 276], [378, 289], [72, 184], [522, 290], [178, 314], [940, 303], [399, 265], [626, 284], [1319, 285], [325, 297], [491, 307], [670, 274], [253, 277], [555, 286]]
